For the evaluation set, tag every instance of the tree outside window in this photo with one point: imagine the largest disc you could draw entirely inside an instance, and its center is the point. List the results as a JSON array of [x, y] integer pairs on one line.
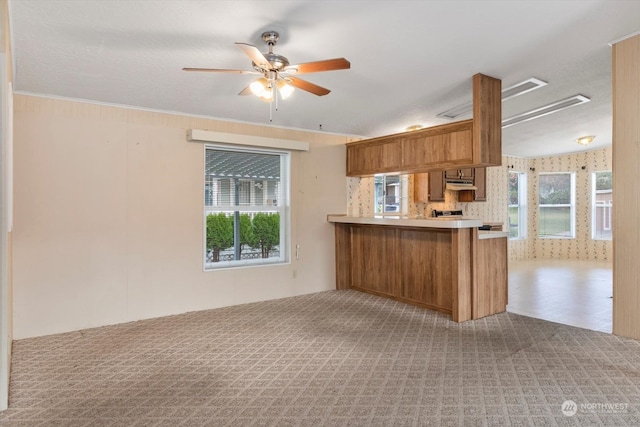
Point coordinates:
[[246, 202]]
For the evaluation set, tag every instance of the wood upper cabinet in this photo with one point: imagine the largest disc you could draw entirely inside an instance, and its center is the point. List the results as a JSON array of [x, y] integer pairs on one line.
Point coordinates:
[[429, 187], [480, 181], [460, 145], [459, 173], [376, 157], [438, 147]]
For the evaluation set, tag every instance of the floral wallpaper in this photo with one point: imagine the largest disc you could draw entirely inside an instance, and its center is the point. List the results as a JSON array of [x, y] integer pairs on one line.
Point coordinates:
[[360, 195], [583, 247]]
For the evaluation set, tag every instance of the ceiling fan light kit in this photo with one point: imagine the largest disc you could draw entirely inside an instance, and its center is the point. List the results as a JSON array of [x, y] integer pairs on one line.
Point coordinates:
[[277, 73]]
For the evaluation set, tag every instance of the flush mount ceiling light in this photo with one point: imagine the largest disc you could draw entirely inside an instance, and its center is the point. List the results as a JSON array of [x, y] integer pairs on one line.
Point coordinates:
[[508, 93], [545, 110], [585, 140]]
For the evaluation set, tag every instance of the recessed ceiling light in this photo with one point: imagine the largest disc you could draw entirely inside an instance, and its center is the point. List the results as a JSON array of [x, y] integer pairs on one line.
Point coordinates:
[[414, 127]]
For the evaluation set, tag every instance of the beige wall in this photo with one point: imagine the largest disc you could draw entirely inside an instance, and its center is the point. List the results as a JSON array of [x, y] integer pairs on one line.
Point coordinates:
[[5, 205], [360, 202], [108, 217]]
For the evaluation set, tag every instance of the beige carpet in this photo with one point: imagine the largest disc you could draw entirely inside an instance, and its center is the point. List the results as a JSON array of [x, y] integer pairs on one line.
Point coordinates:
[[328, 359]]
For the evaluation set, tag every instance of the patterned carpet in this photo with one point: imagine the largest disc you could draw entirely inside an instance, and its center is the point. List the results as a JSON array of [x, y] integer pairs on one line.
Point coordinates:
[[336, 358]]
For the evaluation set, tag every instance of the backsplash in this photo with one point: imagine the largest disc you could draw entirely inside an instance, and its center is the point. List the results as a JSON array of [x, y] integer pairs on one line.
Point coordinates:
[[360, 203]]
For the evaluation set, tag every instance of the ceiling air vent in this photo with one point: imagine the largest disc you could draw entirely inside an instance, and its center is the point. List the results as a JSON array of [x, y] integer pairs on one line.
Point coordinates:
[[543, 111], [508, 93]]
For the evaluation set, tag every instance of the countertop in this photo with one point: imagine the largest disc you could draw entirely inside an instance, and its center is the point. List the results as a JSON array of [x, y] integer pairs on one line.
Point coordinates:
[[405, 221]]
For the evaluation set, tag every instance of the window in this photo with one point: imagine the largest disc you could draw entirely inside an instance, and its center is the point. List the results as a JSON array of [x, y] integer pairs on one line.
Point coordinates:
[[246, 207], [601, 205], [388, 195], [517, 205], [556, 202]]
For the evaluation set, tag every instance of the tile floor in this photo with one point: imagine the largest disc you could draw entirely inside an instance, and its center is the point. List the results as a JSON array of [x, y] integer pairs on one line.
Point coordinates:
[[576, 293]]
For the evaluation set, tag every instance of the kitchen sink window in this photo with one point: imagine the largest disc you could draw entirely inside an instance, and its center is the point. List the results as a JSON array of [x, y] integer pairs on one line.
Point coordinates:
[[390, 194], [601, 205], [246, 207], [517, 205], [556, 203]]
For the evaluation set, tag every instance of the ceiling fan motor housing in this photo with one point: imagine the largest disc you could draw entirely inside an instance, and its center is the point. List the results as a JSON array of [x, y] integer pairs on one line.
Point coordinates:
[[277, 62]]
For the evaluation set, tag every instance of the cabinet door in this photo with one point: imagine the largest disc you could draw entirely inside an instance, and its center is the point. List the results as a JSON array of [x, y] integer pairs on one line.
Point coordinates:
[[452, 174], [369, 159], [374, 259], [459, 173], [428, 187], [421, 187], [436, 186], [466, 173], [480, 181], [425, 257], [440, 147]]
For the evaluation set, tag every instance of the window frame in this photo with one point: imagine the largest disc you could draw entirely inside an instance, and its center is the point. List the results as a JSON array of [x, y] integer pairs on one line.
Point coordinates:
[[282, 207], [594, 208], [521, 206], [401, 196], [571, 205]]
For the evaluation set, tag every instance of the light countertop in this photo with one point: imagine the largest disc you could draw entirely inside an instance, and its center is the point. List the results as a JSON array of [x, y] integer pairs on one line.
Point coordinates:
[[405, 221]]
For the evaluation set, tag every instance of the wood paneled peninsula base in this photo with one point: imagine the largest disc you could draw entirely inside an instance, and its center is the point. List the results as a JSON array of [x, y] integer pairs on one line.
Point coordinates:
[[441, 264]]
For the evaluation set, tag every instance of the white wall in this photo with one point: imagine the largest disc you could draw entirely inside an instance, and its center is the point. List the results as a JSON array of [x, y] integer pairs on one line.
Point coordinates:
[[108, 217]]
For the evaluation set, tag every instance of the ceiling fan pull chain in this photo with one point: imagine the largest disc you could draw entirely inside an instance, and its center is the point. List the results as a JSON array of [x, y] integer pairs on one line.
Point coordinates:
[[270, 113]]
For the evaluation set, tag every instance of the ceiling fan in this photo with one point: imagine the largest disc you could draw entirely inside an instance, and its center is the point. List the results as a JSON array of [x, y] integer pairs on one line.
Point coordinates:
[[277, 73]]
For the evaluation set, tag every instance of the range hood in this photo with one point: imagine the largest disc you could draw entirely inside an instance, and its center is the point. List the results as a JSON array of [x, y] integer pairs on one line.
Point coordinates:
[[459, 186]]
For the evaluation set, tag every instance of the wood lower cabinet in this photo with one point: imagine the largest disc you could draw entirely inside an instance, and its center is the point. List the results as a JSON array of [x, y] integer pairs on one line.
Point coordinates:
[[491, 290], [445, 269], [420, 252], [375, 262]]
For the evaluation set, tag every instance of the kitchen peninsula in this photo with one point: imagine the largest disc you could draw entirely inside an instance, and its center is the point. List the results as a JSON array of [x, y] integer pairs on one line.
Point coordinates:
[[444, 264]]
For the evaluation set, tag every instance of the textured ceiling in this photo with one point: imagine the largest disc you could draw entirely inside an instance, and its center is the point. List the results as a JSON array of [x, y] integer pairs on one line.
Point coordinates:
[[410, 60]]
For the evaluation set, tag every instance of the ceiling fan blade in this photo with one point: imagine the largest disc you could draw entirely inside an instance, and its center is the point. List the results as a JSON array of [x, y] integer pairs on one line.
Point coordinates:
[[256, 56], [309, 87], [246, 91], [220, 70], [317, 66]]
